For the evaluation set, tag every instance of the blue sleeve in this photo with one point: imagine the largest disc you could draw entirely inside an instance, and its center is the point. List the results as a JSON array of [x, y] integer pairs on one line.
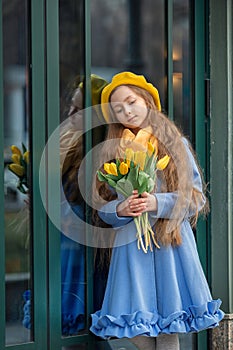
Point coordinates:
[[167, 201], [197, 182], [108, 213]]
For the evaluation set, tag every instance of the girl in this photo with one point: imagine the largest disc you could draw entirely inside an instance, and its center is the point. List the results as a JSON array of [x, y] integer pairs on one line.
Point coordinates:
[[152, 297]]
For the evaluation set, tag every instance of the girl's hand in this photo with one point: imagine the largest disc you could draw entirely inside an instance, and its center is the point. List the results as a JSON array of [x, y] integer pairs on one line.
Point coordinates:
[[150, 201], [135, 205]]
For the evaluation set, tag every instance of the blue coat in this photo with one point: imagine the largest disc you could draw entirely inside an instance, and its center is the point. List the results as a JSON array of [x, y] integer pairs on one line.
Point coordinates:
[[163, 291]]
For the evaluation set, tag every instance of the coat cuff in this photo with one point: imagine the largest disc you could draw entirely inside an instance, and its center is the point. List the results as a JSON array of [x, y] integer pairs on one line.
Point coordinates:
[[108, 213]]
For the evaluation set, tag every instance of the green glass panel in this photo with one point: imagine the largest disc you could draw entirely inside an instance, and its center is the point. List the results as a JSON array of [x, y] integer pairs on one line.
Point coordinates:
[[17, 181], [2, 236], [183, 66], [130, 35], [73, 253]]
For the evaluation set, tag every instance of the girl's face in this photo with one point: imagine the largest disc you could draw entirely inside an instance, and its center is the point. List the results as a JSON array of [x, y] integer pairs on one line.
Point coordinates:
[[129, 108]]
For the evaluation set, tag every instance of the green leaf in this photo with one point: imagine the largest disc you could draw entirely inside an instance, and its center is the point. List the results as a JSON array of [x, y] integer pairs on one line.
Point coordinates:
[[105, 177], [21, 188], [112, 183], [101, 176], [118, 162], [142, 178], [23, 163], [125, 187], [24, 148], [142, 181], [146, 161], [142, 188], [150, 166], [132, 165], [114, 177], [133, 177], [150, 185]]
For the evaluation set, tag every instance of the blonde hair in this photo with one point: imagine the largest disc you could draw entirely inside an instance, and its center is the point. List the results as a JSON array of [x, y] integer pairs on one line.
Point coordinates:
[[175, 178]]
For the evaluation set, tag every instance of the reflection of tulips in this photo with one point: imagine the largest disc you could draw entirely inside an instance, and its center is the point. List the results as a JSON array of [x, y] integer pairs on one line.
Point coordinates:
[[16, 158], [19, 166], [139, 159], [16, 150], [129, 155], [137, 171], [26, 156], [17, 169]]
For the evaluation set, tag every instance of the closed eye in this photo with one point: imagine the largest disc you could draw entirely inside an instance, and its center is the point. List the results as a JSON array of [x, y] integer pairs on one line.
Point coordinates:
[[132, 102], [118, 110]]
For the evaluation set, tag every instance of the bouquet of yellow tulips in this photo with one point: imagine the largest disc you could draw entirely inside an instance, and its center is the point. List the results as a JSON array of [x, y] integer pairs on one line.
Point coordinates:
[[19, 167], [136, 171]]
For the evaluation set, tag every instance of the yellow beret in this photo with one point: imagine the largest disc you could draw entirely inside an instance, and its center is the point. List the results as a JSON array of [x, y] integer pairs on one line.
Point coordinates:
[[127, 78]]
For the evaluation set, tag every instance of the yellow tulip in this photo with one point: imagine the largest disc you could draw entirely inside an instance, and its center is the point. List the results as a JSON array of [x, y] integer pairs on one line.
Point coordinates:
[[17, 169], [26, 156], [16, 150], [123, 168], [150, 148], [129, 155], [110, 168], [16, 158], [139, 158], [163, 162], [113, 169], [106, 168]]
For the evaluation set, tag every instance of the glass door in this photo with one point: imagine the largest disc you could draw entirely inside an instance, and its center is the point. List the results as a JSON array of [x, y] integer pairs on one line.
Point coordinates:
[[157, 39], [52, 52]]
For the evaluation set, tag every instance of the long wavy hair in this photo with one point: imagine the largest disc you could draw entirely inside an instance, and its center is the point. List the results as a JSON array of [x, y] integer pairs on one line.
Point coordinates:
[[177, 176]]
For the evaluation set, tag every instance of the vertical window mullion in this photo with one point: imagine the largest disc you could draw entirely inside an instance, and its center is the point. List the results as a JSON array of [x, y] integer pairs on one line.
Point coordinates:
[[200, 133], [53, 172], [37, 74], [2, 235], [169, 21], [87, 148]]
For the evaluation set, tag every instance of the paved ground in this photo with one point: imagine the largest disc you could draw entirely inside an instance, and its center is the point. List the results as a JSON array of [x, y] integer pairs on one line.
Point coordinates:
[[16, 334]]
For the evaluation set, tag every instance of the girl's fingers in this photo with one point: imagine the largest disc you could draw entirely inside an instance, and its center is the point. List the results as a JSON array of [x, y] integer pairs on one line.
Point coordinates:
[[145, 195], [137, 206], [133, 196]]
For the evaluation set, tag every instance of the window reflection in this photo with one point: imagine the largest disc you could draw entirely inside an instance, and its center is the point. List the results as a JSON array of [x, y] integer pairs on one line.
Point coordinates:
[[17, 213], [182, 66], [129, 35], [71, 50], [73, 276]]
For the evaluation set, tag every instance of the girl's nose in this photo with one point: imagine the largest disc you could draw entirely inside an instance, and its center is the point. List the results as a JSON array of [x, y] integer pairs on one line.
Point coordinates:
[[128, 111]]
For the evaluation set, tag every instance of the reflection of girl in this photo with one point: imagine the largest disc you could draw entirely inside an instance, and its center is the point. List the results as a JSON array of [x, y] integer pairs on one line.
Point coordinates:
[[161, 293], [73, 253]]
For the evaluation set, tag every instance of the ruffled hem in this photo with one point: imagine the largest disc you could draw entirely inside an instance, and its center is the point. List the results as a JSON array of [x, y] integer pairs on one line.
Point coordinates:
[[194, 319]]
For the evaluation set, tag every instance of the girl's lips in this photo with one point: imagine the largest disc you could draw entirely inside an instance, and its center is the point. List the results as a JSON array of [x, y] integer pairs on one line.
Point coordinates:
[[132, 119]]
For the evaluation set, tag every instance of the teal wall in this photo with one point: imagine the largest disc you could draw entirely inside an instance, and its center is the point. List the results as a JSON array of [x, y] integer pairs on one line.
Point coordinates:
[[221, 147]]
